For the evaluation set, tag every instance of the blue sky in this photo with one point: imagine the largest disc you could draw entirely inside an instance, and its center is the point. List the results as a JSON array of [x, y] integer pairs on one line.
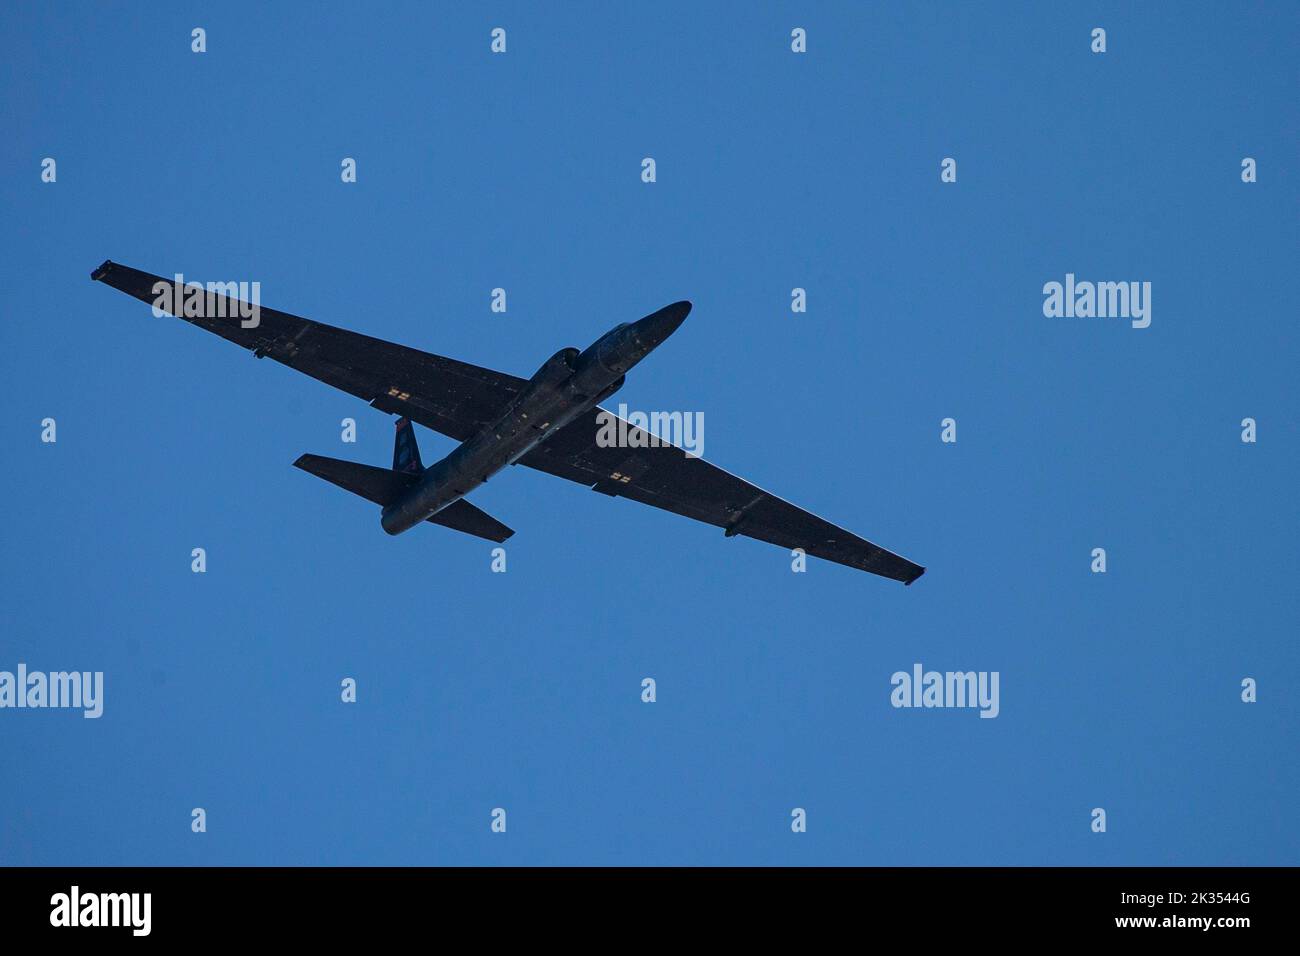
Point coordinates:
[[774, 170]]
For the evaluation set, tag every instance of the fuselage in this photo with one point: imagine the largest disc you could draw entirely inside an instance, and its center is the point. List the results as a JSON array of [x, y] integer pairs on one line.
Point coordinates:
[[568, 385]]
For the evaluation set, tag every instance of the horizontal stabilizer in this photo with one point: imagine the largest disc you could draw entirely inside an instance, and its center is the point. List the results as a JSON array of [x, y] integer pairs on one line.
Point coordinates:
[[463, 516], [379, 485], [383, 487]]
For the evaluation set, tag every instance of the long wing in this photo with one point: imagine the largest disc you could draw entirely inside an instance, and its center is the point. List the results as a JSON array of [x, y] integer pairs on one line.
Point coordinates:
[[451, 397], [664, 476]]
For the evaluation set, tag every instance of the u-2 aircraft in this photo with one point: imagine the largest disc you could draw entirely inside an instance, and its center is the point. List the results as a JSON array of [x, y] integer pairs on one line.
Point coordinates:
[[549, 422]]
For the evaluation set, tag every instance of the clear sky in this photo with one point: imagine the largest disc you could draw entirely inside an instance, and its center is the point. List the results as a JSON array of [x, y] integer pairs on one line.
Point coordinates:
[[775, 170]]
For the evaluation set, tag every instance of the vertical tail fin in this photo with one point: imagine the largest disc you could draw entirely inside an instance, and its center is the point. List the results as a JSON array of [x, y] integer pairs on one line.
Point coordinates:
[[406, 453]]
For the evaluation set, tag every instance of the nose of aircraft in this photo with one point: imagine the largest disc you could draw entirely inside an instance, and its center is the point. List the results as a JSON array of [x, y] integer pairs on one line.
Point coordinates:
[[657, 326]]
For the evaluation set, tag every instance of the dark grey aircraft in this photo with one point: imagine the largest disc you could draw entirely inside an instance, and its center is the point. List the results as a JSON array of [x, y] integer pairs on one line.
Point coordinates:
[[549, 422]]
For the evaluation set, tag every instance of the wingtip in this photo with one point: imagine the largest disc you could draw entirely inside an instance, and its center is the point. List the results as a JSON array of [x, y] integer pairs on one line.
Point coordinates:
[[103, 269], [908, 582]]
